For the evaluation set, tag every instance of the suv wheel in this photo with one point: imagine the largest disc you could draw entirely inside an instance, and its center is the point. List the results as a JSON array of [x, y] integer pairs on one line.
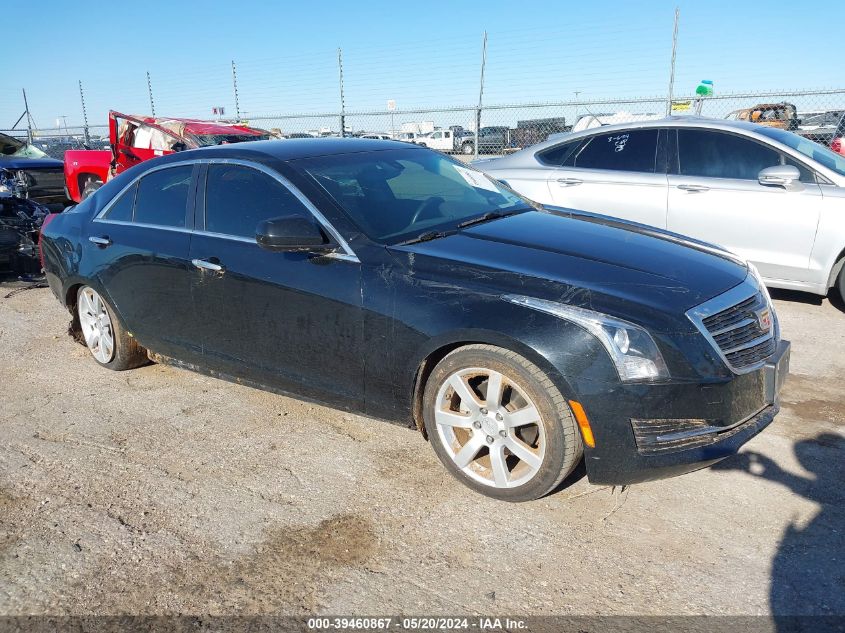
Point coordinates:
[[467, 148], [499, 424]]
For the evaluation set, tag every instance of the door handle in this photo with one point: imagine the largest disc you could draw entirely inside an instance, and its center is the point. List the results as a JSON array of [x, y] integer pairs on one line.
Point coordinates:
[[203, 264], [569, 182], [694, 188], [100, 241]]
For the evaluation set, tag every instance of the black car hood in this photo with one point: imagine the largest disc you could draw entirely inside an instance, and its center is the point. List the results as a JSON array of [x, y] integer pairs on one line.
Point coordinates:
[[17, 162], [603, 256]]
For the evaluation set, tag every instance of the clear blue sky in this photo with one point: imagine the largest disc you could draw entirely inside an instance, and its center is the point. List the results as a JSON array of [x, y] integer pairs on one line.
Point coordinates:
[[421, 54]]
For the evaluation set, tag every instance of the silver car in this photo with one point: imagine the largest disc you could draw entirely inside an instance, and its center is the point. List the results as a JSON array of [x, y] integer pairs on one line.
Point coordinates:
[[769, 195]]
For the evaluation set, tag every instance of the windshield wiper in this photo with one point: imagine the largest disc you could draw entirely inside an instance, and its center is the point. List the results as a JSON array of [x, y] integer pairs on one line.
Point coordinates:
[[427, 236], [492, 215]]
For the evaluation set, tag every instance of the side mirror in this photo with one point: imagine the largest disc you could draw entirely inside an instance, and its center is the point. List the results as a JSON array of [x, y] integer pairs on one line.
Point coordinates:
[[779, 175], [293, 233]]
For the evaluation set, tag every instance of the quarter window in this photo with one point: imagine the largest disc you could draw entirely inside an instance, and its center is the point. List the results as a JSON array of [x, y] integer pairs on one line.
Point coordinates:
[[562, 155], [718, 155], [238, 198], [121, 209], [162, 196], [627, 150]]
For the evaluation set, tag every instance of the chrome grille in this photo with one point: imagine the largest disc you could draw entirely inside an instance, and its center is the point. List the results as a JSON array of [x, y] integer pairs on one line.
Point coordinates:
[[735, 324]]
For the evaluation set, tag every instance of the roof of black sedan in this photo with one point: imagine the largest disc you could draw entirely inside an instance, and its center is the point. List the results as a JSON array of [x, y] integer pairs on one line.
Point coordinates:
[[291, 149]]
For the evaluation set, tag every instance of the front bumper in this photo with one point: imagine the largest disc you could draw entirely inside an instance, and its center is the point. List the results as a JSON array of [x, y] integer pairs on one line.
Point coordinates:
[[646, 432]]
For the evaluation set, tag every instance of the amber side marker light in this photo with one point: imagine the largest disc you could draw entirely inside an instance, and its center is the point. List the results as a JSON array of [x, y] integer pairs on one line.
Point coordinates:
[[583, 423]]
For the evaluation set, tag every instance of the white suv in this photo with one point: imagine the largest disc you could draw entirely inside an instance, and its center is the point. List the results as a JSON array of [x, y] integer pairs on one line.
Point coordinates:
[[769, 195]]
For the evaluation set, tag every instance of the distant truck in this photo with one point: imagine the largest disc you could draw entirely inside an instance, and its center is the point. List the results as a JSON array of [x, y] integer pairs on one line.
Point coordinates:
[[134, 139]]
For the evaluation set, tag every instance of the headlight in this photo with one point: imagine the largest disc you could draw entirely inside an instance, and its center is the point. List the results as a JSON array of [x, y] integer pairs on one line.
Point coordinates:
[[631, 348]]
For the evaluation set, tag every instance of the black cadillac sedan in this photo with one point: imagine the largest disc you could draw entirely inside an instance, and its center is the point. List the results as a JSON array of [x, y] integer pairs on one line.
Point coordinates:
[[391, 280]]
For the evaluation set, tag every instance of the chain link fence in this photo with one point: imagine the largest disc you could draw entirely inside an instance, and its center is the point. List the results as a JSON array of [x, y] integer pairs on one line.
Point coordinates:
[[814, 114]]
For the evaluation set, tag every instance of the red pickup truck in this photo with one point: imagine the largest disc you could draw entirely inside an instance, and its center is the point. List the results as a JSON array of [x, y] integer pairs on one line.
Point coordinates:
[[136, 138]]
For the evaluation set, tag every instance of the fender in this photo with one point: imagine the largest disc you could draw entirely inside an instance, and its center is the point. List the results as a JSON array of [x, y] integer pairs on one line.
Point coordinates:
[[79, 162]]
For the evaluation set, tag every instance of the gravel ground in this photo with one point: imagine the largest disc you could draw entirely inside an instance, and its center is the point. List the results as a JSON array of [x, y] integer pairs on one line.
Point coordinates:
[[159, 491]]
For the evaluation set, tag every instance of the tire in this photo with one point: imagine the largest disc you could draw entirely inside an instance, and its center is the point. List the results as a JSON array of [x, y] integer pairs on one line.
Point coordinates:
[[840, 283], [534, 455], [422, 144], [467, 148], [104, 335], [90, 187]]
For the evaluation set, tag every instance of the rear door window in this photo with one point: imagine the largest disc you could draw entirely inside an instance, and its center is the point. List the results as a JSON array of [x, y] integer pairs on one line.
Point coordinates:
[[162, 196], [238, 198], [630, 150]]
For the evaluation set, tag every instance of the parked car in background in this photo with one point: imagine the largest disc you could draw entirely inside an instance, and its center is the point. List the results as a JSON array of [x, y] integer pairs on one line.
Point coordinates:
[[780, 115], [837, 143], [827, 128], [443, 140], [493, 139], [28, 172], [376, 136], [408, 137], [392, 280], [767, 194], [135, 139]]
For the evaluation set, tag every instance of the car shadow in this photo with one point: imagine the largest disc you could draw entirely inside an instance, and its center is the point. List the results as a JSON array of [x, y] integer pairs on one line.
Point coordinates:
[[797, 296], [808, 570]]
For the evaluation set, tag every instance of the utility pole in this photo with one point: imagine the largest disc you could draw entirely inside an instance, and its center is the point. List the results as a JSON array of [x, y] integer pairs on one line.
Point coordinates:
[[150, 91], [342, 101], [672, 70], [235, 87], [480, 94], [86, 134]]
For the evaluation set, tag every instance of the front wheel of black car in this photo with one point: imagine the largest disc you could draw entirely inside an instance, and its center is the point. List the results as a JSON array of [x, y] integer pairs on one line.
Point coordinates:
[[106, 338], [499, 424]]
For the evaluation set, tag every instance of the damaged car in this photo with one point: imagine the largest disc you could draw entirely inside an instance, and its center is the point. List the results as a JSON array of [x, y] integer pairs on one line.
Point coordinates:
[[136, 138], [391, 280], [26, 171]]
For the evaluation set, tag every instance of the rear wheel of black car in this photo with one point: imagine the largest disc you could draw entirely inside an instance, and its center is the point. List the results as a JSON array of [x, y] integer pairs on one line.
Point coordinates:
[[499, 424], [106, 338], [90, 187]]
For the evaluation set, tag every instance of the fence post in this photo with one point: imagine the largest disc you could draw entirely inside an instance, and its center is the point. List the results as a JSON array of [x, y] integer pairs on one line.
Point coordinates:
[[672, 69], [85, 133], [150, 91], [480, 94], [235, 88], [28, 117], [342, 101]]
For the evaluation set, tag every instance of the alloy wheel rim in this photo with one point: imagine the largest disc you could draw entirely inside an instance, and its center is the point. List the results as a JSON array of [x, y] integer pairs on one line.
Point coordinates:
[[96, 325], [490, 427]]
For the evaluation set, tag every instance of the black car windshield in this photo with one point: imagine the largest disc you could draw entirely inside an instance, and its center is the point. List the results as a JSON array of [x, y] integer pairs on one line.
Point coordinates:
[[10, 146], [808, 148], [393, 195]]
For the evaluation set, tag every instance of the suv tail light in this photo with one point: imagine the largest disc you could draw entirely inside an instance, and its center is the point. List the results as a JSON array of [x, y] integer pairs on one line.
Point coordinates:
[[44, 224], [837, 145]]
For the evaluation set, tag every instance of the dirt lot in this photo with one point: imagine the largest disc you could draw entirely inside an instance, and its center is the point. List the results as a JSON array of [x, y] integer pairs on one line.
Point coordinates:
[[160, 491]]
